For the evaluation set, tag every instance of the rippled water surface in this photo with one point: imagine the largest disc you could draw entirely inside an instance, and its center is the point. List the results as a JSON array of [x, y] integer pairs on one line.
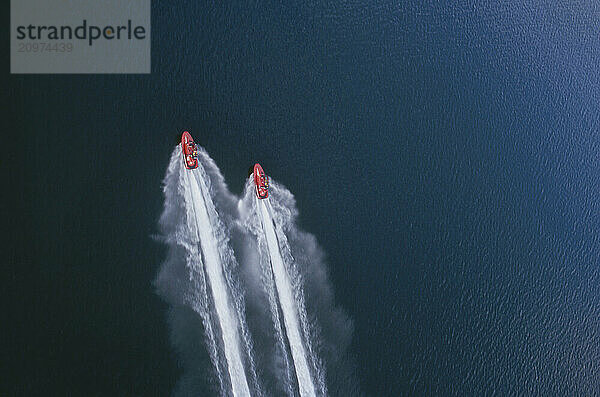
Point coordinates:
[[446, 157]]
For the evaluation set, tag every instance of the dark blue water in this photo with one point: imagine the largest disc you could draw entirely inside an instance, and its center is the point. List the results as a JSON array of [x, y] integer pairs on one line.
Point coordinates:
[[446, 157]]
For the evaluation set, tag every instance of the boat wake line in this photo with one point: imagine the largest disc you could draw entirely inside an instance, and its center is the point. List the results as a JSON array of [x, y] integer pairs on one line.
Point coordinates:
[[241, 280]]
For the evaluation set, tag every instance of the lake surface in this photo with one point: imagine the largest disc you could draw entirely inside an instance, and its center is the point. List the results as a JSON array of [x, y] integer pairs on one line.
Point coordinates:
[[446, 157]]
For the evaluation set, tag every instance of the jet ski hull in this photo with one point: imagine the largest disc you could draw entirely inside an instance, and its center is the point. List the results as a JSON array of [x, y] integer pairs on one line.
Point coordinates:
[[187, 149], [261, 182]]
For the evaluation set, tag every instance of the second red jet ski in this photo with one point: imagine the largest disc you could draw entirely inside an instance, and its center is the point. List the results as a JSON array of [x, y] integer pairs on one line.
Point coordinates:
[[261, 181], [189, 150]]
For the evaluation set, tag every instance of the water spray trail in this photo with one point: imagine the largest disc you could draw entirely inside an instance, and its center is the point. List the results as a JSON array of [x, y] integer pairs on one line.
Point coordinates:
[[288, 304], [179, 230], [251, 222], [218, 287], [281, 213], [201, 223], [215, 184]]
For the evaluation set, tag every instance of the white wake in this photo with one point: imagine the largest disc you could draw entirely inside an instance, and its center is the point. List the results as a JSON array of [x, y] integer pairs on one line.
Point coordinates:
[[218, 286], [287, 302], [283, 283], [197, 228], [201, 224]]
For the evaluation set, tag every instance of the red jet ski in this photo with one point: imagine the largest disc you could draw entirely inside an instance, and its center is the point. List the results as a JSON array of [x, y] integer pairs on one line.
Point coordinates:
[[189, 150], [261, 181]]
